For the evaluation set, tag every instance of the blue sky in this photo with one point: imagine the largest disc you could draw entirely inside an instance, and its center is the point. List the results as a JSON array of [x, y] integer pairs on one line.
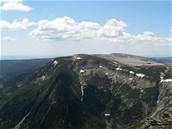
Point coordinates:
[[139, 17]]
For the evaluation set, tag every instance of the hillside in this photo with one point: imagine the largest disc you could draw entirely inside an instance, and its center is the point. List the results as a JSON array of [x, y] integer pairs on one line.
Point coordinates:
[[12, 71], [91, 92]]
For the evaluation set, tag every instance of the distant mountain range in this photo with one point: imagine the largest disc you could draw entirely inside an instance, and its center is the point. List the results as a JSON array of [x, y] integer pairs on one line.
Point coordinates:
[[163, 59], [12, 71], [113, 91]]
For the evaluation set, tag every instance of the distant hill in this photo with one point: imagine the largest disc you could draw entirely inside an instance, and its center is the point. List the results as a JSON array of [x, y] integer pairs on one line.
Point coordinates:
[[131, 60], [163, 59], [12, 71]]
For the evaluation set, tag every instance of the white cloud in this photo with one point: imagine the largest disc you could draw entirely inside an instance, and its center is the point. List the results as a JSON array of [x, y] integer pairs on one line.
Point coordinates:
[[66, 28], [113, 28], [16, 25], [14, 5], [8, 39], [144, 37]]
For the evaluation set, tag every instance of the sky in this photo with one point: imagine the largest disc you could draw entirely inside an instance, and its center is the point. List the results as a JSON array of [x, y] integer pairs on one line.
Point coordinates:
[[38, 29]]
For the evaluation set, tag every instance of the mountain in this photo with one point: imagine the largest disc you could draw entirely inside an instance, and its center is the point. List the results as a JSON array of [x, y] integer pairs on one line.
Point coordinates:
[[13, 71], [114, 91], [163, 59]]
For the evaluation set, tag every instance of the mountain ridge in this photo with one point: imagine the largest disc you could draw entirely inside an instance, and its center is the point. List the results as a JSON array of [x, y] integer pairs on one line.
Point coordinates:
[[87, 92]]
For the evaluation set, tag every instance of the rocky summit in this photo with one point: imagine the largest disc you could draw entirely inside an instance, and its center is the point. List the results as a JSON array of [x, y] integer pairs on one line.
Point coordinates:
[[115, 91]]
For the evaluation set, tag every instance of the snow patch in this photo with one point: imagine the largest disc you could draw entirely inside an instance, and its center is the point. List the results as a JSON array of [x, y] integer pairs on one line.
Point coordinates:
[[161, 77], [55, 62], [83, 86], [82, 90], [43, 77], [166, 80], [141, 90], [106, 73], [131, 72], [82, 71], [140, 75], [118, 69], [158, 99], [130, 79], [78, 58], [107, 114], [100, 66]]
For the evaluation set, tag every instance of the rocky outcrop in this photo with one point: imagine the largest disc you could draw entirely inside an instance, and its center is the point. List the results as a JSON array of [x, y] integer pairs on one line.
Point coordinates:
[[162, 116]]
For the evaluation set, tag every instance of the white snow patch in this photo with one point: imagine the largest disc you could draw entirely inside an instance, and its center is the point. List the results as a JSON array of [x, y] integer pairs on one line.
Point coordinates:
[[106, 73], [166, 80], [78, 58], [82, 71], [161, 78], [130, 79], [82, 90], [131, 72], [43, 77], [140, 75], [118, 69], [158, 99], [107, 114], [55, 62], [100, 66], [141, 90]]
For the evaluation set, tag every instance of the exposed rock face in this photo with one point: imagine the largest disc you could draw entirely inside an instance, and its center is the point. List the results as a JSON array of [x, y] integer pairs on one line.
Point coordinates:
[[89, 92], [162, 116]]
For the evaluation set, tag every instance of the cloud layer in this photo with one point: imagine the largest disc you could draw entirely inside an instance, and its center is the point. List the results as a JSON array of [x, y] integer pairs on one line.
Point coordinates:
[[67, 28], [113, 30], [14, 5], [16, 25]]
